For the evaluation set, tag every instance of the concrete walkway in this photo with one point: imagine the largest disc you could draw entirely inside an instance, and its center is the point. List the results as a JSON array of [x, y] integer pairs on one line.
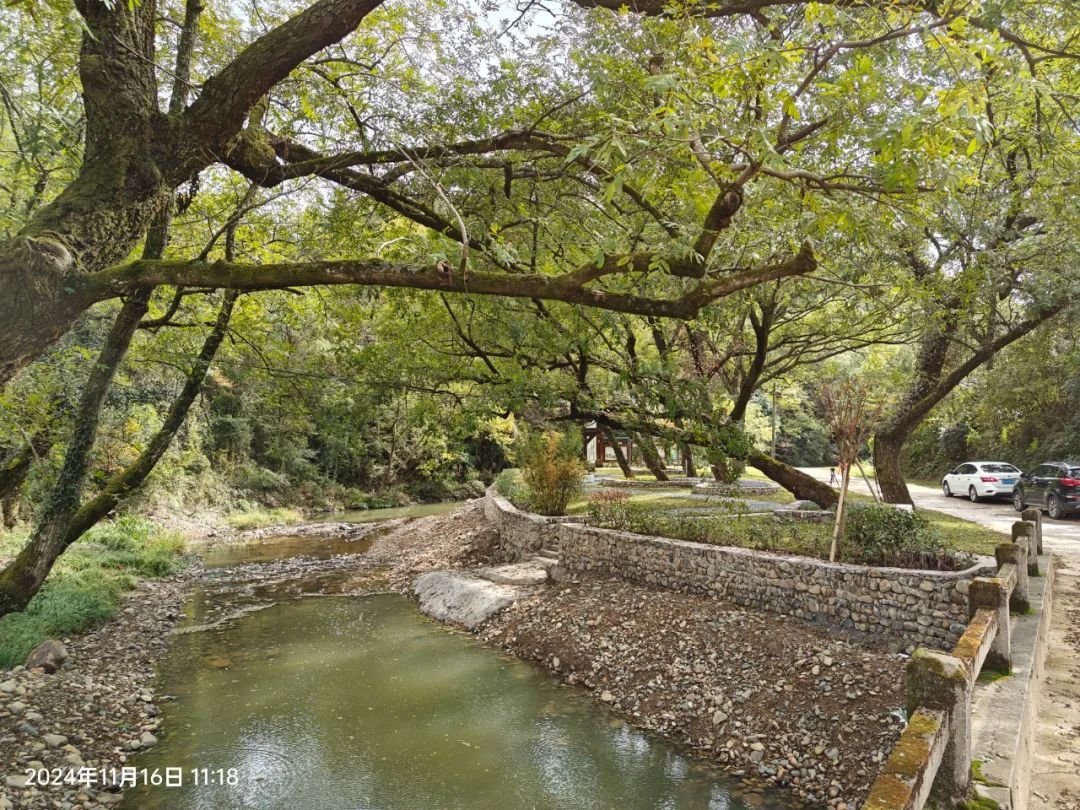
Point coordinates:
[[1055, 772]]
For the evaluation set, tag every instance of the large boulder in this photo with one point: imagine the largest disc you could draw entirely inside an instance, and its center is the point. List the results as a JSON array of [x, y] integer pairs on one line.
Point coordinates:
[[462, 598], [48, 655]]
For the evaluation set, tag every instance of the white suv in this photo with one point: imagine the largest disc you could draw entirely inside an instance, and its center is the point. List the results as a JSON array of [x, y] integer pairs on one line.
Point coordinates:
[[981, 479]]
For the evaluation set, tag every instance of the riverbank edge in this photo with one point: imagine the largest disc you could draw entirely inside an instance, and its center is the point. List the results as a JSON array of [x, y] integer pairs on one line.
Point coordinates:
[[813, 776], [97, 710], [145, 618]]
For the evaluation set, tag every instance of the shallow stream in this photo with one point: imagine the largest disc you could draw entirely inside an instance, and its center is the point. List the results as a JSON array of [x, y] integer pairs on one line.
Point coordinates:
[[361, 702]]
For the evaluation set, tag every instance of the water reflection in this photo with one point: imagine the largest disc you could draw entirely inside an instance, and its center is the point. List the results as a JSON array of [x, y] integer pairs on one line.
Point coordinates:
[[353, 703]]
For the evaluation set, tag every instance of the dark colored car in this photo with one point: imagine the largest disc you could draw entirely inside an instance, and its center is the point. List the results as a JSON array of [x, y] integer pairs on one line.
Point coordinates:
[[1055, 486]]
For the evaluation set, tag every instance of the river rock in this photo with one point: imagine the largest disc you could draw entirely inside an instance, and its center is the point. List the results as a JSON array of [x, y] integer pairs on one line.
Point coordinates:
[[459, 597], [49, 655], [17, 780]]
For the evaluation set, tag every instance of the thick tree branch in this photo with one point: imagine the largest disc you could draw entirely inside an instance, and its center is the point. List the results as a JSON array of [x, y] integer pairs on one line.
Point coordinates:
[[227, 97], [141, 275]]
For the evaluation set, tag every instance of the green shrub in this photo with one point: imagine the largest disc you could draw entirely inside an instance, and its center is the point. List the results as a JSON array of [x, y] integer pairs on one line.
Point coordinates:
[[885, 535], [876, 535], [609, 507], [551, 470], [507, 481]]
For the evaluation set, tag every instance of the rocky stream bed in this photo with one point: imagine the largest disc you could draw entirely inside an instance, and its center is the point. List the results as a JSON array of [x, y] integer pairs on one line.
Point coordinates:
[[768, 697]]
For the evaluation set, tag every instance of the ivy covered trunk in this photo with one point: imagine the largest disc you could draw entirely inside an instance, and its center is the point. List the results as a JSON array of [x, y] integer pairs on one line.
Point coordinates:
[[24, 576]]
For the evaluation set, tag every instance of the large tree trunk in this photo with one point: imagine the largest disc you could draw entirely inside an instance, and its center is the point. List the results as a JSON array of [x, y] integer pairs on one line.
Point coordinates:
[[890, 478], [620, 457], [97, 220], [795, 481], [651, 456], [687, 453]]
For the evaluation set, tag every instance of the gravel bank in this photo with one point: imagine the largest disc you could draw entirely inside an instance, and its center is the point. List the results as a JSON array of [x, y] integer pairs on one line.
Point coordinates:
[[96, 710], [768, 697]]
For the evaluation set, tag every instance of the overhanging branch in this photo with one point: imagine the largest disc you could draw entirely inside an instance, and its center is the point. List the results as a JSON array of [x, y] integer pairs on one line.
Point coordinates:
[[139, 275]]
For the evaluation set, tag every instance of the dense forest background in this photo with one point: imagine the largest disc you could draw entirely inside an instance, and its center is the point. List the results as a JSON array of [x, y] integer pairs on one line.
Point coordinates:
[[336, 401]]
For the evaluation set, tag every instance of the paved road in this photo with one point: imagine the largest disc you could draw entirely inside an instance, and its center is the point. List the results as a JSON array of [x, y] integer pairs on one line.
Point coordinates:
[[1059, 536]]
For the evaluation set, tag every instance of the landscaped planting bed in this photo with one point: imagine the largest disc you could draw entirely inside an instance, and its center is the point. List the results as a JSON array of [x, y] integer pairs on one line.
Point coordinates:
[[878, 535]]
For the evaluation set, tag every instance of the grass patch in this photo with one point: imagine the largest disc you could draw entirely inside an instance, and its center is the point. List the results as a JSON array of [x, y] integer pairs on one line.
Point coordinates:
[[85, 585], [978, 776], [763, 534], [258, 516], [965, 535], [988, 675]]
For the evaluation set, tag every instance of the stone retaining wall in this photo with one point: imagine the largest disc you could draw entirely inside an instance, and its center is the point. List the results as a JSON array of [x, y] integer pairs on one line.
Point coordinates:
[[645, 483], [736, 490], [911, 608]]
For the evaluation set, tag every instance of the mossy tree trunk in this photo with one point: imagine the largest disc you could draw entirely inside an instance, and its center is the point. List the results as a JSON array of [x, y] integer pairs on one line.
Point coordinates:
[[23, 577], [795, 481], [135, 155], [651, 456], [66, 519]]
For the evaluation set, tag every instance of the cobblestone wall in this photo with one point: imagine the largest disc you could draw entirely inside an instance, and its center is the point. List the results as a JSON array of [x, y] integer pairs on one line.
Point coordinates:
[[910, 608]]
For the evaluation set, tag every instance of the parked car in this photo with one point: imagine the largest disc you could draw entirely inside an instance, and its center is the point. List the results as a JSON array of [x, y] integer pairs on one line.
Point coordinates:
[[981, 479], [1054, 486]]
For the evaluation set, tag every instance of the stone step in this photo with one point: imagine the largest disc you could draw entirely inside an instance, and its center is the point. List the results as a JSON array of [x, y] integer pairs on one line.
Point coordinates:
[[523, 573]]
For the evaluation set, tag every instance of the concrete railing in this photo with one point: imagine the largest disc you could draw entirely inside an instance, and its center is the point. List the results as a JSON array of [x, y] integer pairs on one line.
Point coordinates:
[[934, 754]]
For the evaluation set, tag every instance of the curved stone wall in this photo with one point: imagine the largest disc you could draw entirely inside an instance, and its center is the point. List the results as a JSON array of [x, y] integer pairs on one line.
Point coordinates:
[[910, 608]]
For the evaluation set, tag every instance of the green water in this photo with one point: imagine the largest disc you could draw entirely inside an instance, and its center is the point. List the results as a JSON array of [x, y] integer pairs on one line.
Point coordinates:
[[350, 702]]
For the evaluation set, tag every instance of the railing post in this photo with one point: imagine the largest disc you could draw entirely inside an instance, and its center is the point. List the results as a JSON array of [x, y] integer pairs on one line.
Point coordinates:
[[987, 592], [1016, 553], [1025, 533], [1035, 516], [937, 680]]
